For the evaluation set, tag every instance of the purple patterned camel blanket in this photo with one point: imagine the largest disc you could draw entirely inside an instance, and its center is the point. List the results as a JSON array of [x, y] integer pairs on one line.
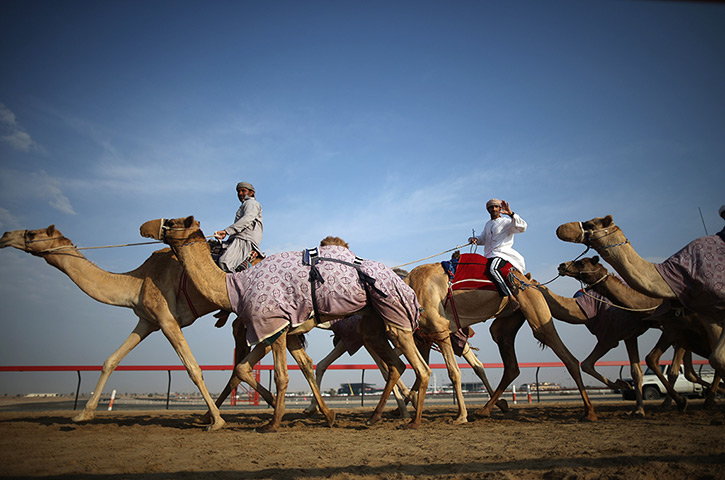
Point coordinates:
[[345, 330], [697, 275], [607, 321], [276, 292]]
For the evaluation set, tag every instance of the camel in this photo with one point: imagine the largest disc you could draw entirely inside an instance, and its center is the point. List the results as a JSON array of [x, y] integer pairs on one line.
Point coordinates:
[[153, 291], [381, 312], [430, 283], [608, 323], [347, 340], [681, 278], [686, 333]]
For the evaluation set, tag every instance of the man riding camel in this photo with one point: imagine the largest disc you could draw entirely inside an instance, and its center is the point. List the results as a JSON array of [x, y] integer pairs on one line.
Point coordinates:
[[497, 239]]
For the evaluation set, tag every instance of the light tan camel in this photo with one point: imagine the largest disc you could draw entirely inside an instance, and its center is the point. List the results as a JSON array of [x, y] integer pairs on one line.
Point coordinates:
[[687, 333], [152, 291], [187, 240], [609, 241], [609, 324], [430, 283]]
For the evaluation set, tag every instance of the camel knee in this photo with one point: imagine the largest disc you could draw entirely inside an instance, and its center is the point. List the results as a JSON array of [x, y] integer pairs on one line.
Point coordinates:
[[244, 372], [717, 360]]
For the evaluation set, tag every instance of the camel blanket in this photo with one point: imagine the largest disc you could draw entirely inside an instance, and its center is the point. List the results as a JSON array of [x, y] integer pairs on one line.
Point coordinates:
[[471, 273], [276, 292], [697, 275], [607, 322], [345, 330]]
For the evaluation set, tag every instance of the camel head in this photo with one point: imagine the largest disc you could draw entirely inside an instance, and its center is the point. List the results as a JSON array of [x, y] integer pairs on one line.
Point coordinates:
[[166, 229], [587, 270], [36, 242], [577, 232]]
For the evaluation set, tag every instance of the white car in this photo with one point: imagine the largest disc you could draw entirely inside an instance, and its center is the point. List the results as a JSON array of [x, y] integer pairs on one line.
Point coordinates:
[[652, 388]]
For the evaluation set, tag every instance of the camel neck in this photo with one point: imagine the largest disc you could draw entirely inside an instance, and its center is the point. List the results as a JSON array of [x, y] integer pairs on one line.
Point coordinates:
[[619, 293], [111, 288], [563, 308], [208, 278], [639, 274]]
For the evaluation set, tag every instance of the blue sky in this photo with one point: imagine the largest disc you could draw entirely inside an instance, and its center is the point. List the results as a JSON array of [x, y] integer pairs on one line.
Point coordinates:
[[386, 123]]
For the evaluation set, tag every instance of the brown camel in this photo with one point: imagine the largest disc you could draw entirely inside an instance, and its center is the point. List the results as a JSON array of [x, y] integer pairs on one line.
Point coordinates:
[[187, 241], [686, 333], [152, 291], [430, 283], [608, 323], [703, 297]]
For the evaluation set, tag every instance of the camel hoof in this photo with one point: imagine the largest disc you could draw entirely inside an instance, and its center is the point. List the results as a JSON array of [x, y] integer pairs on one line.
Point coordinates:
[[83, 417], [309, 412], [503, 405], [269, 428], [216, 426], [374, 419], [682, 406], [412, 425], [461, 420], [331, 419], [483, 413], [590, 417]]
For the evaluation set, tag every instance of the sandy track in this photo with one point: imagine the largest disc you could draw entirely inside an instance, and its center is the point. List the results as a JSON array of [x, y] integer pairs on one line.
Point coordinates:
[[532, 441]]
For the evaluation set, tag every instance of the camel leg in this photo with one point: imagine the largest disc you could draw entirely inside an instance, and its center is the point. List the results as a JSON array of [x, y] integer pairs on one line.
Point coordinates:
[[709, 389], [599, 351], [636, 371], [241, 350], [480, 372], [372, 331], [454, 373], [717, 357], [536, 311], [142, 330], [297, 350], [503, 331], [172, 331], [403, 340], [281, 381], [320, 370], [653, 362], [400, 392]]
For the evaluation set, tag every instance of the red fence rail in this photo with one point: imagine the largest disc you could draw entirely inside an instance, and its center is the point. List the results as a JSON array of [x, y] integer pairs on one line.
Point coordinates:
[[258, 368]]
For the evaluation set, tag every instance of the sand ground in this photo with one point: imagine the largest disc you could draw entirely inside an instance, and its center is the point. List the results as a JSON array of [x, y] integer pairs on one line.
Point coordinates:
[[532, 441]]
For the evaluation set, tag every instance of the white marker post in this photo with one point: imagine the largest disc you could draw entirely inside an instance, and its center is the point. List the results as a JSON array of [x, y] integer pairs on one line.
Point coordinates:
[[113, 396]]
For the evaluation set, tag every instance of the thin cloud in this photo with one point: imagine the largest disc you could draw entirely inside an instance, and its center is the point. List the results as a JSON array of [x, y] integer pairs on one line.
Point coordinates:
[[24, 187], [14, 135]]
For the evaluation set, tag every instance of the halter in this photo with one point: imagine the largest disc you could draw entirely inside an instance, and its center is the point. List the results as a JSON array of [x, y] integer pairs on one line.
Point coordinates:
[[27, 242], [587, 236]]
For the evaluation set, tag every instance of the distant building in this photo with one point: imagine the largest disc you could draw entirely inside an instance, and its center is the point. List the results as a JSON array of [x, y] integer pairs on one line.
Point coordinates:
[[357, 389]]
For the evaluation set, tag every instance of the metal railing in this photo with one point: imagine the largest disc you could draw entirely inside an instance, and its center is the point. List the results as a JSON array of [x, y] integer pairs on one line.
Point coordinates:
[[270, 368]]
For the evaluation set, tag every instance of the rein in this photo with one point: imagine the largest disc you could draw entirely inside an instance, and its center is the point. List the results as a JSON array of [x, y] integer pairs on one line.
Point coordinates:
[[437, 254]]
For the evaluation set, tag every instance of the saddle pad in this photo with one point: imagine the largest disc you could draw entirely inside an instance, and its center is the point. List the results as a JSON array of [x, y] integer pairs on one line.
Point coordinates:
[[697, 275], [471, 273]]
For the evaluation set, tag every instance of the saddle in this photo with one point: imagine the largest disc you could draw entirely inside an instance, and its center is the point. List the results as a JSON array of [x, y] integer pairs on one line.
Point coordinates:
[[471, 274]]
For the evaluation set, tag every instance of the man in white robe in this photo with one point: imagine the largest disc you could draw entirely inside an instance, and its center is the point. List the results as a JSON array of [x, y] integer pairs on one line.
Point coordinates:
[[497, 239]]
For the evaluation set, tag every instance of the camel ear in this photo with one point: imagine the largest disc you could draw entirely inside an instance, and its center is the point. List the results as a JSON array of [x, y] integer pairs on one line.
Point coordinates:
[[189, 221], [50, 230], [607, 221], [595, 259]]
